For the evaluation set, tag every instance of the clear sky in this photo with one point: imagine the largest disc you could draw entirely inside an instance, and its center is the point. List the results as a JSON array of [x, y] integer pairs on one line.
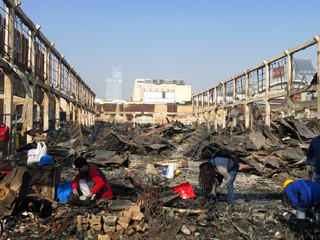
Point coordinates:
[[200, 41]]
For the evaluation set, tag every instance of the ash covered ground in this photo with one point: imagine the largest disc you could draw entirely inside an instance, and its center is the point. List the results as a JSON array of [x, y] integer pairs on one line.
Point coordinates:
[[260, 212]]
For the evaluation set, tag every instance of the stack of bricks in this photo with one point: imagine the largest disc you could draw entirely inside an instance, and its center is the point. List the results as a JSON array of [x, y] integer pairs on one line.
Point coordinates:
[[95, 223], [125, 222], [82, 223], [130, 221], [109, 223]]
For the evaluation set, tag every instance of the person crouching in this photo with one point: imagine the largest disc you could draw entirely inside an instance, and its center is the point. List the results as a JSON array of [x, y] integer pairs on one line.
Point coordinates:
[[305, 197], [90, 183]]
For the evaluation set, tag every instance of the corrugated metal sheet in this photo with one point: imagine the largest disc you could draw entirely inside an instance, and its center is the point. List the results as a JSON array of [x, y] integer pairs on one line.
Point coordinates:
[[139, 108], [304, 66], [109, 107], [172, 108]]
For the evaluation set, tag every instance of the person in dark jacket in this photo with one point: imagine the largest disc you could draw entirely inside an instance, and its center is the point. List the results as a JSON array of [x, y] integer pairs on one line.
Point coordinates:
[[220, 171], [305, 196], [313, 160], [90, 183]]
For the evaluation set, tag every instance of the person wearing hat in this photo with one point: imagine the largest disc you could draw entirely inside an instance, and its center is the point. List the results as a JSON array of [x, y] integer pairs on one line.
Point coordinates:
[[4, 137], [90, 183], [305, 196]]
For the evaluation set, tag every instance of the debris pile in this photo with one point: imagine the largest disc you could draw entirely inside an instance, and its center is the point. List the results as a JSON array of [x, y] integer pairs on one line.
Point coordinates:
[[145, 206]]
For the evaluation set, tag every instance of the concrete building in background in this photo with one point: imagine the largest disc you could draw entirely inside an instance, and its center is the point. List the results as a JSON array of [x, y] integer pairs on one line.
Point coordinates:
[[114, 84], [161, 91]]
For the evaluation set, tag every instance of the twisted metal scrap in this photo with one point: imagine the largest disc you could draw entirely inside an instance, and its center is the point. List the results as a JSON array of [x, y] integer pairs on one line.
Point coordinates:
[[152, 201]]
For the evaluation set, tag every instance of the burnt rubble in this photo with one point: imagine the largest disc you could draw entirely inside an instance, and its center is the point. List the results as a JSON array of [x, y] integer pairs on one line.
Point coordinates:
[[145, 205]]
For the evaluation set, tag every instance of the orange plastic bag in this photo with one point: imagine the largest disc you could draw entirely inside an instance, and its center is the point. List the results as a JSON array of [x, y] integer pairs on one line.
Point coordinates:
[[185, 190]]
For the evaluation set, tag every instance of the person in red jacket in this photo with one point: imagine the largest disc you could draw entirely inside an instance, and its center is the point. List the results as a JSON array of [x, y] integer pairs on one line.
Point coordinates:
[[90, 183], [4, 137]]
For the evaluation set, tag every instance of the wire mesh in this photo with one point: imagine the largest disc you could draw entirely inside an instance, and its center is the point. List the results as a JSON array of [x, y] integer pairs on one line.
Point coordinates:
[[151, 200]]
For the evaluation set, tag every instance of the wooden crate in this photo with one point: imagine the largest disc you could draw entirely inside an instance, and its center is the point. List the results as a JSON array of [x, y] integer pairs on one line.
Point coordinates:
[[45, 179]]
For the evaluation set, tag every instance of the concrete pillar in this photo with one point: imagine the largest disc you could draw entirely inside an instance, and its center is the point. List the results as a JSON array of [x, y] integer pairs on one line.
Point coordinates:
[[86, 122], [224, 114], [202, 101], [74, 117], [8, 99], [57, 110], [69, 81], [289, 83], [67, 111], [29, 116], [247, 115], [80, 115], [223, 93], [197, 104], [48, 63], [246, 85], [89, 118], [267, 110], [234, 89], [267, 113], [11, 33], [85, 117], [93, 120], [46, 110], [246, 106], [208, 120], [251, 118]]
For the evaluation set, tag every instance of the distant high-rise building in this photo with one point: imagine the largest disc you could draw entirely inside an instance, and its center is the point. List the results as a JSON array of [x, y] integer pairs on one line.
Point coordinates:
[[114, 84]]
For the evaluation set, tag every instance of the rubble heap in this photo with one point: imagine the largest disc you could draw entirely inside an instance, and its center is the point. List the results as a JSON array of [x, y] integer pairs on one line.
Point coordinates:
[[145, 204]]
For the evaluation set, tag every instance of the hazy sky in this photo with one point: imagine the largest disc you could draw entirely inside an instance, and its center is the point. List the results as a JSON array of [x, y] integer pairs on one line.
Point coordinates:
[[201, 41]]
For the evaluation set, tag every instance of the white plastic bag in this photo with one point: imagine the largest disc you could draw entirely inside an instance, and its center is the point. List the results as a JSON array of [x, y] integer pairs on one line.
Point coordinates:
[[34, 155], [84, 188], [171, 170]]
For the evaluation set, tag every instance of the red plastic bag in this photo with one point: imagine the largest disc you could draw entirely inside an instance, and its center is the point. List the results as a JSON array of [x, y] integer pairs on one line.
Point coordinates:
[[185, 190]]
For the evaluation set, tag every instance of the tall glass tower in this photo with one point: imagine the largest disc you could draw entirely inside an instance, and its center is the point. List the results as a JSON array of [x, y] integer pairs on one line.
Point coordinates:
[[114, 84]]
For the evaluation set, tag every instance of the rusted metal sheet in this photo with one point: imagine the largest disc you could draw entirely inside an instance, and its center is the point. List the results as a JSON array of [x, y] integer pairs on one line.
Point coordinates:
[[158, 130], [13, 188], [288, 126], [109, 107], [303, 130], [257, 141]]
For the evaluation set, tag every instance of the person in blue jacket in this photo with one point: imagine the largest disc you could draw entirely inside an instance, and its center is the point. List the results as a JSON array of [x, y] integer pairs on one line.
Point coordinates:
[[313, 160], [305, 196]]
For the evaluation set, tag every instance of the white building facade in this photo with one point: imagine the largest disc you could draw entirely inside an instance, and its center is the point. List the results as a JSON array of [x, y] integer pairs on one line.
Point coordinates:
[[161, 91]]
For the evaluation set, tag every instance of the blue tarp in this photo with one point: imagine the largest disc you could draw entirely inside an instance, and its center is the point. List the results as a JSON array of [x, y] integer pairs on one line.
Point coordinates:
[[63, 190]]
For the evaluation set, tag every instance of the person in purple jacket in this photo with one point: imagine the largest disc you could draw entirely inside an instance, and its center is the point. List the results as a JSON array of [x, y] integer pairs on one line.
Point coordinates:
[[305, 196]]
